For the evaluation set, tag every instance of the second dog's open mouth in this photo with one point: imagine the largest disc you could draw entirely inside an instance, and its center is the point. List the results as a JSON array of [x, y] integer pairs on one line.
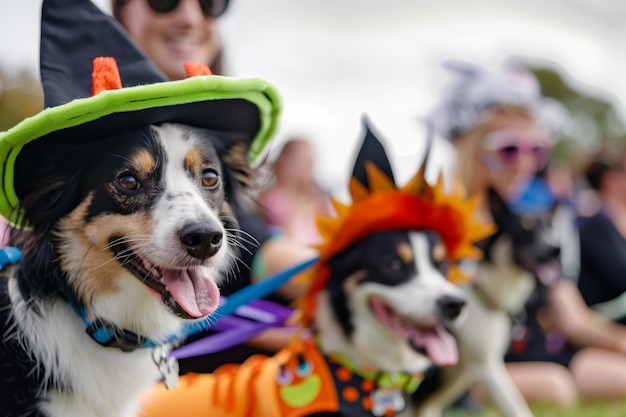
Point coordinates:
[[432, 340], [185, 291], [547, 272]]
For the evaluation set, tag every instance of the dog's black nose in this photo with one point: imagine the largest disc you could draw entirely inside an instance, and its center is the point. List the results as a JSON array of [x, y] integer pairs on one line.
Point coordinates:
[[201, 240], [450, 306]]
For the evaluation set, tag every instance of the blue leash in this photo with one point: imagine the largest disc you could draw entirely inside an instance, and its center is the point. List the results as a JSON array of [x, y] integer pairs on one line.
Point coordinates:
[[261, 289], [9, 255], [246, 296], [108, 335]]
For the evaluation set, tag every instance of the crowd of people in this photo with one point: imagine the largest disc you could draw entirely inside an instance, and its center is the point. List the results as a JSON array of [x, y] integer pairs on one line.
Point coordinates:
[[503, 132]]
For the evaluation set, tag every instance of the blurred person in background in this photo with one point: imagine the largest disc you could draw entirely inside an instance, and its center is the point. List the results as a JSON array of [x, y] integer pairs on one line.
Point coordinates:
[[292, 201], [172, 33], [503, 130], [602, 280]]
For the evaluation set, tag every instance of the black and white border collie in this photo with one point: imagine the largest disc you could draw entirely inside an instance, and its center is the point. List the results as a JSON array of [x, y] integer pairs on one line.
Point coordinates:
[[136, 234], [387, 301]]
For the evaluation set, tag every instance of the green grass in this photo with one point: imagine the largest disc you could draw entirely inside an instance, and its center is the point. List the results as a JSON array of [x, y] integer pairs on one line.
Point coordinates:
[[590, 409]]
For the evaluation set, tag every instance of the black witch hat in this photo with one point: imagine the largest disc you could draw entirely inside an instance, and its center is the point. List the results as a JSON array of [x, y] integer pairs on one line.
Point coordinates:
[[97, 82]]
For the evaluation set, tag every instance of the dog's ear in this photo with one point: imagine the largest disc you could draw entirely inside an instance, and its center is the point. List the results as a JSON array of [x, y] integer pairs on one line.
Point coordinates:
[[498, 207], [239, 175], [236, 162], [53, 198], [371, 151]]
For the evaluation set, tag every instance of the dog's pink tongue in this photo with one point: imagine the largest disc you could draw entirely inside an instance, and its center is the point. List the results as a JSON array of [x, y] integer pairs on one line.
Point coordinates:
[[549, 273], [196, 294], [440, 345]]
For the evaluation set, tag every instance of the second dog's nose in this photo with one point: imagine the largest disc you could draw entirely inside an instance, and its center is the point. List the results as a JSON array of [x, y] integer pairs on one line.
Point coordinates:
[[201, 240], [450, 306]]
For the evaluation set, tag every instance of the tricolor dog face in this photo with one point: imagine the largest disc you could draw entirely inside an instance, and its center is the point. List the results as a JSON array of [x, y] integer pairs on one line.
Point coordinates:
[[144, 227], [136, 231], [387, 300], [524, 240]]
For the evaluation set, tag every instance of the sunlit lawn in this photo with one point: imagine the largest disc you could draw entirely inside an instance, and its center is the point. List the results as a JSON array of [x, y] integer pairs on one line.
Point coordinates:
[[591, 409]]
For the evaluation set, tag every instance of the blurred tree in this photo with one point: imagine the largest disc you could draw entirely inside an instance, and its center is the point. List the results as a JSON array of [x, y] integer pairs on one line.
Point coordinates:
[[21, 96], [595, 120]]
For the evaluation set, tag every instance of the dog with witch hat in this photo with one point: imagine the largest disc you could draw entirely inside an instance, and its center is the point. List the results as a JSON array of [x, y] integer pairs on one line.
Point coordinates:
[[121, 196]]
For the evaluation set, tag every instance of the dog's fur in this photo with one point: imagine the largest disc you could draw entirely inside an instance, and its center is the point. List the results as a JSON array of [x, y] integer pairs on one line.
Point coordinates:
[[402, 271], [106, 229], [383, 309], [523, 249]]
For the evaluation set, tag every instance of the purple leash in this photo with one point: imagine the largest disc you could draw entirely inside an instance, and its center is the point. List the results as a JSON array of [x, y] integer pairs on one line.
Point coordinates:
[[248, 321], [247, 303]]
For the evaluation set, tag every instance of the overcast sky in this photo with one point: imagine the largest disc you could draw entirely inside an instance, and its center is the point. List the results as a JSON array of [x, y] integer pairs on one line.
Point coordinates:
[[333, 60]]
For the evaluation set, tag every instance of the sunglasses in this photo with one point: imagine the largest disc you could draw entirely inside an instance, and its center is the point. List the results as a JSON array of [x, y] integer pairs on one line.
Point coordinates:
[[505, 148], [210, 8]]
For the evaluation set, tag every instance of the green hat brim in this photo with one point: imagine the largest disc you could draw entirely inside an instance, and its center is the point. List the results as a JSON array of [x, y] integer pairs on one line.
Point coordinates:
[[247, 107]]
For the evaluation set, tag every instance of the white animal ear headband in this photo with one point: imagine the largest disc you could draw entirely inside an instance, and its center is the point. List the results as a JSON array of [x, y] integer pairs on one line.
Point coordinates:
[[472, 90]]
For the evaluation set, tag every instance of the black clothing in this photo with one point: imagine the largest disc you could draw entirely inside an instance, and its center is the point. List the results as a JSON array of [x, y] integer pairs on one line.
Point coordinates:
[[540, 341], [603, 262]]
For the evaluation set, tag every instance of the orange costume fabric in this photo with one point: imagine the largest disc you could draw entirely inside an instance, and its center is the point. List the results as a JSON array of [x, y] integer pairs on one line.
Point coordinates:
[[297, 381]]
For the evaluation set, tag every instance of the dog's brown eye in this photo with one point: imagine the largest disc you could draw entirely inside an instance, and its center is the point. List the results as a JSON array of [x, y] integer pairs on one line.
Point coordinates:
[[128, 182], [439, 253], [210, 179]]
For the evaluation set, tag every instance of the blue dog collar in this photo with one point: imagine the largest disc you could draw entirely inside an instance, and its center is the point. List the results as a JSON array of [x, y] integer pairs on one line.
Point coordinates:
[[109, 335], [9, 256]]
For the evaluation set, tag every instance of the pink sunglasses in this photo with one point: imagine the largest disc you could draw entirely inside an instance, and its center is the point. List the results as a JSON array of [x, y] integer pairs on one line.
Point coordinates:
[[505, 148]]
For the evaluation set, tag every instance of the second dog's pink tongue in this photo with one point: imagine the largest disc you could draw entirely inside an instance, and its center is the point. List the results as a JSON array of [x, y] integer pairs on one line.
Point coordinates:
[[440, 345], [549, 273], [196, 294]]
